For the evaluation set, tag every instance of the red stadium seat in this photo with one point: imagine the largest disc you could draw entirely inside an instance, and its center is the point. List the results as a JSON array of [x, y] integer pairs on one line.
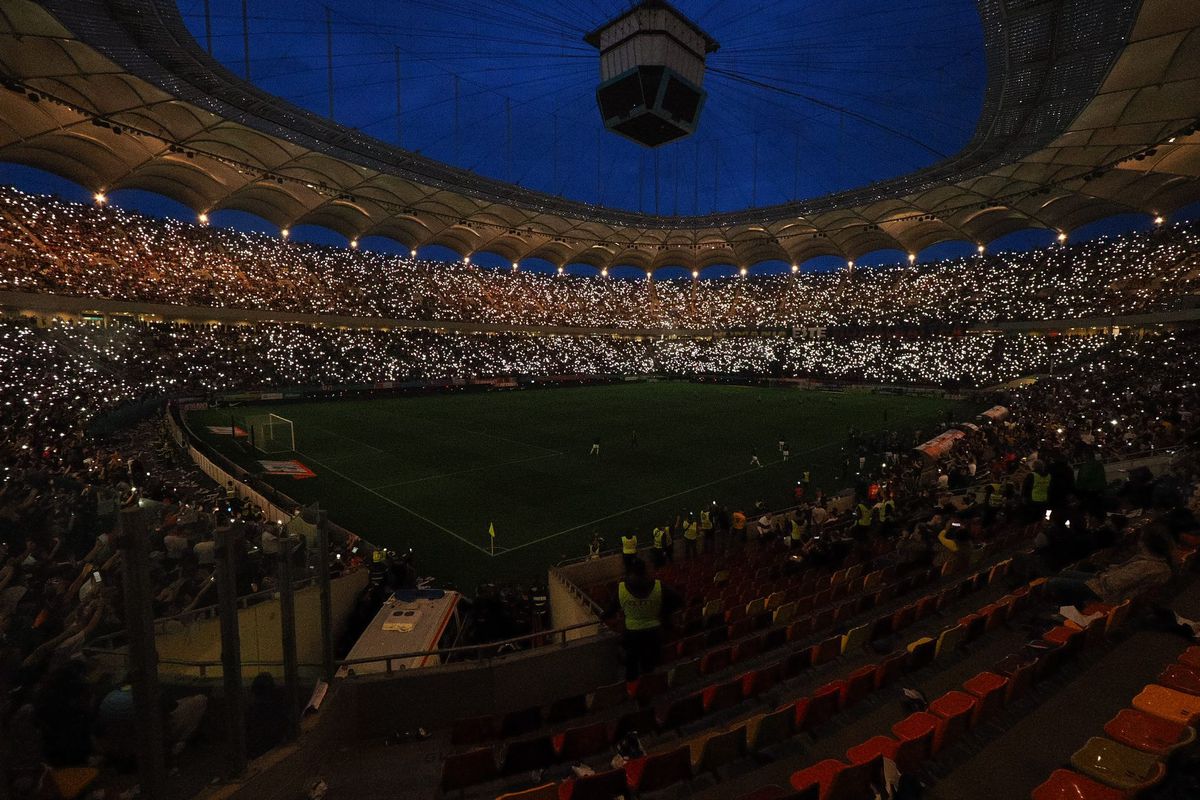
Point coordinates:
[[575, 744], [837, 780], [1147, 732], [955, 709], [989, 689], [1065, 784], [462, 770], [659, 771]]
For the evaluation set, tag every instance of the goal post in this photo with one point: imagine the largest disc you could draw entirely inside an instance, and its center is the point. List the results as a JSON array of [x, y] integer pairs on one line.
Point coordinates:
[[271, 433]]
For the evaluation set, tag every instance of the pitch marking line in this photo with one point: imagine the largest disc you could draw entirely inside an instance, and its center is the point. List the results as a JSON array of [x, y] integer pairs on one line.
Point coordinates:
[[470, 469], [390, 501], [663, 499]]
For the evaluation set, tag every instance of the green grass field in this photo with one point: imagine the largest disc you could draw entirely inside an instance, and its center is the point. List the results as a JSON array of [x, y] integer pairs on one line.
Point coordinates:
[[432, 472]]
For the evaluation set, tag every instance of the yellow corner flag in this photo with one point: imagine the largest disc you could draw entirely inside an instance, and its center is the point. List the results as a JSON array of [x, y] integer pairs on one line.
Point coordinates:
[[492, 529]]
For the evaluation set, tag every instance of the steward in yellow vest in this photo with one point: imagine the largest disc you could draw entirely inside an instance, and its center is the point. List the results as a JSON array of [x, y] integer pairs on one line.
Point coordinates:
[[662, 544], [646, 604], [691, 536], [629, 548]]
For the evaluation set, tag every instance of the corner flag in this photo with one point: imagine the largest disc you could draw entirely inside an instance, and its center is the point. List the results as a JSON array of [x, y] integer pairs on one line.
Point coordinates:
[[492, 530]]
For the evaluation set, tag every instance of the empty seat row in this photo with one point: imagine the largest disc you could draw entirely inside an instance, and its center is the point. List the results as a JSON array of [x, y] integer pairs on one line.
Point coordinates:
[[1131, 756], [713, 749]]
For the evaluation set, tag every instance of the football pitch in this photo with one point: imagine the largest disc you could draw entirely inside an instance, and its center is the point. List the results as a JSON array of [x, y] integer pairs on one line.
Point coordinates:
[[434, 472]]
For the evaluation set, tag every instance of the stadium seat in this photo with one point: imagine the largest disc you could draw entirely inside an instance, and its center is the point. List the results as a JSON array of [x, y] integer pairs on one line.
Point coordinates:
[[683, 711], [949, 641], [1065, 784], [722, 695], [660, 770], [1070, 639], [685, 673], [462, 770], [858, 684], [927, 606], [784, 614], [920, 653], [855, 639], [989, 690], [920, 726], [567, 708], [601, 786], [650, 686], [838, 780], [1117, 765], [822, 705], [68, 783], [1169, 704], [796, 663], [1148, 733], [574, 744], [474, 730], [716, 660], [774, 792], [1180, 678], [765, 730], [974, 625], [799, 629], [904, 617], [547, 791], [609, 696], [1191, 657], [640, 721], [761, 680], [826, 651], [746, 649], [955, 709], [891, 668], [717, 750], [774, 639], [528, 755]]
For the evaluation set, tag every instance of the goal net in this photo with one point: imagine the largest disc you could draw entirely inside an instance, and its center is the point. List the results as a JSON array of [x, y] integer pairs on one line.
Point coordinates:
[[271, 433]]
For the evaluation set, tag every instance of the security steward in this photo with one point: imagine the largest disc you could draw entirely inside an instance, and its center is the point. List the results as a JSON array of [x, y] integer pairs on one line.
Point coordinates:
[[645, 604]]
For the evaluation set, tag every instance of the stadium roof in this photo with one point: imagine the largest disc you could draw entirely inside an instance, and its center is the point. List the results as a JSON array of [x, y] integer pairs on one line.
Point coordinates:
[[1090, 110]]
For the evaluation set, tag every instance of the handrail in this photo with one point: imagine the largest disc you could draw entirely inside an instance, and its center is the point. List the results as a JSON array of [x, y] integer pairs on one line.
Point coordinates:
[[558, 633], [210, 611]]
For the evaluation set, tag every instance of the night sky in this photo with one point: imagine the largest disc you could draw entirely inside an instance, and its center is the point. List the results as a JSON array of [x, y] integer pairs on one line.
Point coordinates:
[[804, 98]]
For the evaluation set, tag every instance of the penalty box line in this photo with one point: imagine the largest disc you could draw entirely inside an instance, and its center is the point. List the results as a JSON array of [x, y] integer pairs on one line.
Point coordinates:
[[390, 501], [647, 504]]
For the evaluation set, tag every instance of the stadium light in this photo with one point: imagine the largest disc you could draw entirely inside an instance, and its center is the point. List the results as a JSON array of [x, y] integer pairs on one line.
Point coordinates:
[[101, 198], [202, 218], [850, 265], [912, 257], [604, 272], [795, 268], [742, 272], [413, 252], [467, 260], [560, 270], [1062, 237], [285, 233], [516, 266], [981, 249], [354, 244], [1158, 220], [695, 274], [649, 275]]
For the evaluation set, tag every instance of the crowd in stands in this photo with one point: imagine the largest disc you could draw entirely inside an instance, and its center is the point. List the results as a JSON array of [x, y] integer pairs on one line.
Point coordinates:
[[60, 567], [69, 249]]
